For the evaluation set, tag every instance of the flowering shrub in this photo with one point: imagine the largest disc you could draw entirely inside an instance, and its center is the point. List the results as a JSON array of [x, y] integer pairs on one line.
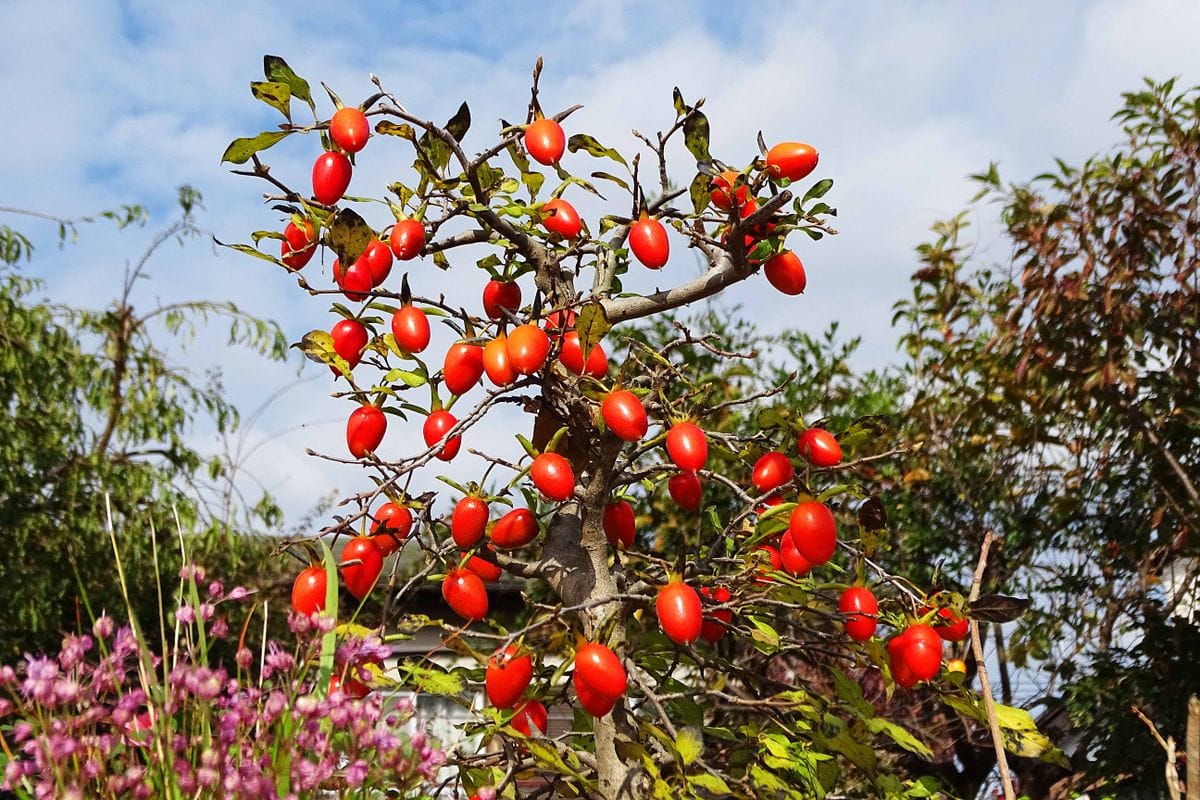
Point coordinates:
[[107, 717]]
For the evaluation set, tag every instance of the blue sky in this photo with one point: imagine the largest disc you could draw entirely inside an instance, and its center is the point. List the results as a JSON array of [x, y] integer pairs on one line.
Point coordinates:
[[119, 102]]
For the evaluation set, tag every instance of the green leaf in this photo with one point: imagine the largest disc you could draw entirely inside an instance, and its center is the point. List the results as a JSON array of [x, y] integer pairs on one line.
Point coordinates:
[[276, 94], [412, 379], [349, 236], [765, 635], [709, 783], [689, 744], [329, 639], [317, 346], [276, 69], [1032, 744], [681, 107], [388, 128], [431, 680], [899, 735], [592, 324], [618, 181], [240, 150], [818, 190], [581, 141], [700, 192], [850, 693], [1012, 718], [250, 251], [460, 123], [695, 135]]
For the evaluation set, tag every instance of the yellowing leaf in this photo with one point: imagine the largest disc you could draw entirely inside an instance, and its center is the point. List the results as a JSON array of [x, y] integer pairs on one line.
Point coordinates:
[[918, 475], [689, 743]]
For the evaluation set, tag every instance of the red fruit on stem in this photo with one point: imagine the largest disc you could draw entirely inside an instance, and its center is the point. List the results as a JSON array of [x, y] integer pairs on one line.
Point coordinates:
[[330, 177], [298, 245], [463, 367], [410, 327], [530, 715], [920, 649], [515, 529], [820, 448], [360, 578], [679, 612], [435, 427], [528, 346], [308, 591], [355, 281], [596, 704], [624, 415], [571, 356], [483, 564], [378, 259], [785, 272], [393, 523], [814, 531], [950, 626], [365, 429], [496, 363], [562, 218], [772, 470], [464, 592], [349, 129], [469, 521], [559, 322], [507, 676], [648, 241], [351, 687], [859, 605], [685, 490], [499, 296], [721, 186], [791, 160], [620, 524], [407, 239], [553, 476], [687, 446], [793, 560], [545, 141], [717, 621], [598, 666], [349, 338]]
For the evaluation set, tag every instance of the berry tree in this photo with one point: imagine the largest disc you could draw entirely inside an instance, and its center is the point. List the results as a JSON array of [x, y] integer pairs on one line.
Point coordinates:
[[677, 654]]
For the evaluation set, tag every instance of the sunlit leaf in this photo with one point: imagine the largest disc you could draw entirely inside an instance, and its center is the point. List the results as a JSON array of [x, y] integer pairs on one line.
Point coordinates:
[[349, 236], [276, 69], [592, 324], [695, 135], [240, 150], [581, 141], [275, 94]]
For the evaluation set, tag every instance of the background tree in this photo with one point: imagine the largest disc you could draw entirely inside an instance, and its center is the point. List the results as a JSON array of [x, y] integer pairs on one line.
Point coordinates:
[[97, 424], [1056, 393], [657, 713]]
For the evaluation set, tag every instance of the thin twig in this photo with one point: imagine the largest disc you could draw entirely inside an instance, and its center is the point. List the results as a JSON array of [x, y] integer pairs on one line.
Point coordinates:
[[989, 703], [1168, 746]]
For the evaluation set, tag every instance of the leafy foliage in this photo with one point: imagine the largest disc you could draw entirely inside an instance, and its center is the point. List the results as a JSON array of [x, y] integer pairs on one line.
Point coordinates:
[[1056, 394], [96, 431]]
